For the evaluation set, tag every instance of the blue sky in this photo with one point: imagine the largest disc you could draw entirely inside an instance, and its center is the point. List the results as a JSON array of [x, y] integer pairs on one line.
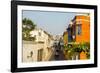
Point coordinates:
[[54, 23]]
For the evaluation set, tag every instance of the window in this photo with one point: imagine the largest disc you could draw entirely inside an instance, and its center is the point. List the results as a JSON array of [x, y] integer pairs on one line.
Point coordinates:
[[74, 30], [39, 33], [78, 30], [35, 36]]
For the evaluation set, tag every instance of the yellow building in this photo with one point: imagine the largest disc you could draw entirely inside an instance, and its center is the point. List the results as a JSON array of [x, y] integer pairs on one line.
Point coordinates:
[[65, 38]]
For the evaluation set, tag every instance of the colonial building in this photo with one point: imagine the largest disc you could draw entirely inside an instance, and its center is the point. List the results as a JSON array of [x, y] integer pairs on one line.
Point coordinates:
[[79, 29], [78, 32], [40, 49]]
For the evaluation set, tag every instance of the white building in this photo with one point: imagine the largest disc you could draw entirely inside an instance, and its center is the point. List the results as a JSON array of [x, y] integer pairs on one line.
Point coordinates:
[[40, 49]]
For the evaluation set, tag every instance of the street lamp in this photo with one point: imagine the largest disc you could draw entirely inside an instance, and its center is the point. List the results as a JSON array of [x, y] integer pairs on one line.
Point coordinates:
[[73, 37]]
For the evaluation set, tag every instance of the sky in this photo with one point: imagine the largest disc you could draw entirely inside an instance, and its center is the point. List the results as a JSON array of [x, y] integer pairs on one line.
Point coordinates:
[[55, 23]]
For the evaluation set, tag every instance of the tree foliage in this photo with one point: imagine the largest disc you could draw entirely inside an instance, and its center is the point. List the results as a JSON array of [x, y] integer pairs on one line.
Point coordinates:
[[72, 49], [27, 27]]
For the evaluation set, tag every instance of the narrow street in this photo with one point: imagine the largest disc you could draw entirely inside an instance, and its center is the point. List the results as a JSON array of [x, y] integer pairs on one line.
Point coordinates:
[[57, 53]]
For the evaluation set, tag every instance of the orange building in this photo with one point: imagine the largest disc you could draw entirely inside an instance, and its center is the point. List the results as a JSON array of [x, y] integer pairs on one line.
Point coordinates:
[[80, 29]]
